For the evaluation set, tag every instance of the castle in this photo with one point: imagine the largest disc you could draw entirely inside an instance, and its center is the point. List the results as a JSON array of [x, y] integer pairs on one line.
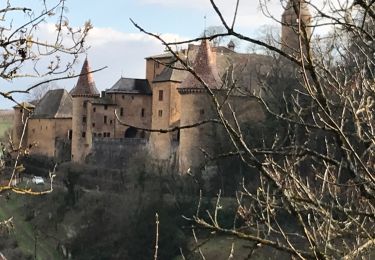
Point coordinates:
[[168, 97]]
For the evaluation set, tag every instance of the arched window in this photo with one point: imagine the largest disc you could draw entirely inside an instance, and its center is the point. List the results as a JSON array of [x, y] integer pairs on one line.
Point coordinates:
[[131, 132]]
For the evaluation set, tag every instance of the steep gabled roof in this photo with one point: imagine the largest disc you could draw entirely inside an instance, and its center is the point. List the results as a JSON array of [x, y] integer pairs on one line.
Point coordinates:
[[131, 86], [56, 103], [205, 67], [85, 86]]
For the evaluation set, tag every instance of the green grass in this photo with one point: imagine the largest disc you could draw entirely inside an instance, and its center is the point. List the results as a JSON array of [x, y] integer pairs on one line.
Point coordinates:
[[23, 230], [4, 126]]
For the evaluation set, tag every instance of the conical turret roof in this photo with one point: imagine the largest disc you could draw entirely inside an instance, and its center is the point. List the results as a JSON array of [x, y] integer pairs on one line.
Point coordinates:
[[85, 86], [205, 67]]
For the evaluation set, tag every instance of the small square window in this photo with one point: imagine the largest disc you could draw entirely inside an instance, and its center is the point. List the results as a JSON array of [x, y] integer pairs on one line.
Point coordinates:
[[105, 107], [121, 111], [123, 97], [110, 122], [105, 119], [160, 113], [94, 109], [83, 134], [93, 124], [84, 119], [143, 112]]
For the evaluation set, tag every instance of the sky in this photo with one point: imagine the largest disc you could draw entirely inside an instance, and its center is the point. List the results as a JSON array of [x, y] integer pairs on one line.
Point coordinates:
[[116, 43]]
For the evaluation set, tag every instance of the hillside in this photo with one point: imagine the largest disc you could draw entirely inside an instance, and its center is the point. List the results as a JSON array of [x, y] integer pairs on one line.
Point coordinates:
[[6, 119]]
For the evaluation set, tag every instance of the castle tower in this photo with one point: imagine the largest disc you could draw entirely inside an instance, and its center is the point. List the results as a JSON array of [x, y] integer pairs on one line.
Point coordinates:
[[197, 106], [294, 11], [21, 113], [83, 92]]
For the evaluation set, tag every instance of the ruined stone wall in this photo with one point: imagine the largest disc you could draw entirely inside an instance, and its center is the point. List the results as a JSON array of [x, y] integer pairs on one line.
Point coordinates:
[[19, 119]]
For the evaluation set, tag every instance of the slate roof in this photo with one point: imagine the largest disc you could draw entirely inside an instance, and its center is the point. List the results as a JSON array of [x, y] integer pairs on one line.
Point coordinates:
[[56, 103], [103, 101], [205, 67], [131, 86], [85, 86], [169, 74]]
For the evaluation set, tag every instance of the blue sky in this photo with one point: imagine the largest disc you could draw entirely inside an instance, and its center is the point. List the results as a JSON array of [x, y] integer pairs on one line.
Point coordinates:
[[117, 44]]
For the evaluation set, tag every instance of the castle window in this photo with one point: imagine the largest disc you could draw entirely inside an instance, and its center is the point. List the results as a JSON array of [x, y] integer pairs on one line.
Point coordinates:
[[83, 134], [123, 97], [33, 131], [121, 111], [104, 134], [160, 113], [100, 134], [94, 109], [84, 104], [21, 111], [105, 119], [105, 107], [93, 124], [70, 134], [83, 119], [143, 112], [108, 134], [94, 134], [110, 122], [201, 111], [160, 95]]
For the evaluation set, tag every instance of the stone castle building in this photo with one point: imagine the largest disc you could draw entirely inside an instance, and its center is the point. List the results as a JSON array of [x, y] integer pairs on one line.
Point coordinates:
[[69, 125]]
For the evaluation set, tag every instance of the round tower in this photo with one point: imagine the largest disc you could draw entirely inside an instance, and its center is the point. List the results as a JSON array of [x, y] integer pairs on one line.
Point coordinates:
[[295, 12], [197, 106], [84, 91]]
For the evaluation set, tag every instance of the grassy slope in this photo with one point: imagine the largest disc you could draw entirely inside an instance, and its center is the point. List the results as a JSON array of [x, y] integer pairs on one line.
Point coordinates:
[[23, 232], [6, 120]]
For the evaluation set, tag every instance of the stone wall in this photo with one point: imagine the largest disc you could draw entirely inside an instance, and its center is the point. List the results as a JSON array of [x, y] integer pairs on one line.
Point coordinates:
[[116, 153]]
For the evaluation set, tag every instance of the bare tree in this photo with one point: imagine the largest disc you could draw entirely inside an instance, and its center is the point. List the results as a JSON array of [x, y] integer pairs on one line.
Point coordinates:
[[317, 176], [25, 54]]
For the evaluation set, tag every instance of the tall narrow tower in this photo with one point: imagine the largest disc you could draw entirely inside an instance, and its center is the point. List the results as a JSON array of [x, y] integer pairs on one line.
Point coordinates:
[[296, 13], [197, 106], [83, 92]]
